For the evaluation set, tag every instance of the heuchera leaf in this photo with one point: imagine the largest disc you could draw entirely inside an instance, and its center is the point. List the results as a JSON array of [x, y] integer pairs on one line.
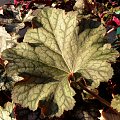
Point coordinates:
[[115, 103], [6, 111], [49, 55], [5, 39]]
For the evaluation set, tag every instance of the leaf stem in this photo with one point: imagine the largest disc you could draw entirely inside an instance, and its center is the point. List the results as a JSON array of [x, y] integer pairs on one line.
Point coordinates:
[[96, 96]]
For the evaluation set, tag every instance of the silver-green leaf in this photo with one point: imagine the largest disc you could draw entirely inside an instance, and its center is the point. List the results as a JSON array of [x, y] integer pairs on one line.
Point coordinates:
[[52, 53]]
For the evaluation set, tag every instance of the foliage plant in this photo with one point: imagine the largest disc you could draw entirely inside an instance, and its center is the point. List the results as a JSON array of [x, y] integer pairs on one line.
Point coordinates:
[[63, 52]]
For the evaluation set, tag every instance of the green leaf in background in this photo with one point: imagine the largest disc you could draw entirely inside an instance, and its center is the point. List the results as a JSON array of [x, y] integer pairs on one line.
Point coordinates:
[[118, 31], [117, 12], [7, 111], [50, 55], [115, 103]]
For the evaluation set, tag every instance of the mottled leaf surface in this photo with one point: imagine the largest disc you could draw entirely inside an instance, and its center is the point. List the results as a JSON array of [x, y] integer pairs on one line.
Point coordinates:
[[51, 54], [50, 90]]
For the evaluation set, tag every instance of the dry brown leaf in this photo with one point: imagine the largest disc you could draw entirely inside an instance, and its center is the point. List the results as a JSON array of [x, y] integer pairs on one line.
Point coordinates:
[[109, 116]]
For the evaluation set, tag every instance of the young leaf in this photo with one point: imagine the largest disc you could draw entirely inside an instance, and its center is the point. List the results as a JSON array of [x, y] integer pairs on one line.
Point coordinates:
[[80, 4], [5, 112], [115, 103], [51, 54]]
